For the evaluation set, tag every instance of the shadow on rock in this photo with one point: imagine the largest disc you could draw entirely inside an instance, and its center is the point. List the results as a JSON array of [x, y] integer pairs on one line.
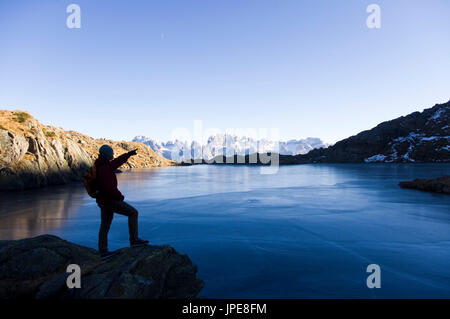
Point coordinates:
[[36, 268]]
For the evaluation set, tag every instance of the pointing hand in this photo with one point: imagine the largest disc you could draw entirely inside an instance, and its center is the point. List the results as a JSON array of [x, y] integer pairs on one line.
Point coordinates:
[[133, 152]]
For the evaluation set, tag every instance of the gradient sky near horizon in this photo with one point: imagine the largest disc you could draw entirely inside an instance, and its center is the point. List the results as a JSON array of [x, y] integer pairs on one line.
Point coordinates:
[[309, 68]]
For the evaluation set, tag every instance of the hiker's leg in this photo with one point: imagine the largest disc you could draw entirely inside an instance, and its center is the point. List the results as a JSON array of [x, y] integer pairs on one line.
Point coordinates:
[[107, 217], [126, 209]]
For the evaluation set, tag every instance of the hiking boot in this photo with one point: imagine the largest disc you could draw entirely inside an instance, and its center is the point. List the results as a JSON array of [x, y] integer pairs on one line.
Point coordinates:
[[107, 254], [138, 242]]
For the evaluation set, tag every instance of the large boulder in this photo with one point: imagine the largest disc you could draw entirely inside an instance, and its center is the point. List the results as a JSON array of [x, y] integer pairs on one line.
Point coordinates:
[[36, 268], [436, 185]]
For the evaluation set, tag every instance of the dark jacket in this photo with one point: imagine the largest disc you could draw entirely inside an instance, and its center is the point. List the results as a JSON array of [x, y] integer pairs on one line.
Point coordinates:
[[107, 180]]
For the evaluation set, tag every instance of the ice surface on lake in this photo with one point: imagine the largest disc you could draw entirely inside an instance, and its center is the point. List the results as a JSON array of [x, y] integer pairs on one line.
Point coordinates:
[[308, 231]]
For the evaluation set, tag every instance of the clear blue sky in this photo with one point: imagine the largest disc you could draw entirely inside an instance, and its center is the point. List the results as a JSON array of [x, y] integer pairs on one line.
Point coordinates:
[[310, 68]]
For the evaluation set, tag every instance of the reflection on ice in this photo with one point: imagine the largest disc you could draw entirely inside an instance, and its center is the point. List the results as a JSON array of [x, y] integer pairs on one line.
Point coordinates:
[[34, 212], [308, 231]]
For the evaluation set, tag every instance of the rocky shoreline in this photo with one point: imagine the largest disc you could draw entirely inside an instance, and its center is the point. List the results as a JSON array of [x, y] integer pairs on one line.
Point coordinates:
[[436, 185], [36, 268]]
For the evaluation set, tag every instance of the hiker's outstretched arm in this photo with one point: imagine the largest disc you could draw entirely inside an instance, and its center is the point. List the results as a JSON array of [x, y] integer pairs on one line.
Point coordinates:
[[119, 161]]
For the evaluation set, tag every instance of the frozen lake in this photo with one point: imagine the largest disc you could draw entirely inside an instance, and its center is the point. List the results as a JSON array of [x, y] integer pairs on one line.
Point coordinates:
[[308, 231]]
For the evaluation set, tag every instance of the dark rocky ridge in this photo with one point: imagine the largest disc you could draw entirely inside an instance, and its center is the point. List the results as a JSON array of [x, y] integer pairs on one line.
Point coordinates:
[[36, 268], [417, 137], [436, 185]]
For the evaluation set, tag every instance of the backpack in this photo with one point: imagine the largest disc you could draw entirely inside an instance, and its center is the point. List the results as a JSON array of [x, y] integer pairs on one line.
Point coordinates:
[[90, 182]]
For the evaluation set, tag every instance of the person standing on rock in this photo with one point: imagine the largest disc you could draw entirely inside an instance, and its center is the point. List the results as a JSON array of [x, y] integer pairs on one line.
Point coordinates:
[[110, 199]]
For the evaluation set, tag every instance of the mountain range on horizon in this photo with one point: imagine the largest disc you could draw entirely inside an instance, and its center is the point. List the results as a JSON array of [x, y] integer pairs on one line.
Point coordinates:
[[228, 145]]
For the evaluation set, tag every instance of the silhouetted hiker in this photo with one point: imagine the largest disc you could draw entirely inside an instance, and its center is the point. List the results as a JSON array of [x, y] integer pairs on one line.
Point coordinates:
[[111, 200]]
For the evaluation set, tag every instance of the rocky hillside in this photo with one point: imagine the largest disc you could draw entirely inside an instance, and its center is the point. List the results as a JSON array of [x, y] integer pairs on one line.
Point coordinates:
[[417, 137], [35, 155], [35, 268]]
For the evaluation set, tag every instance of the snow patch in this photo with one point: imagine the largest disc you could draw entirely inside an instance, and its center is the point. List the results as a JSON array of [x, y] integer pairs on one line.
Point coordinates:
[[436, 115], [433, 138], [375, 158], [411, 136]]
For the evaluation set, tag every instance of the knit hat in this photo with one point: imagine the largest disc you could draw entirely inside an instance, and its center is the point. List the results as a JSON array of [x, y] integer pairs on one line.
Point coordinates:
[[106, 152]]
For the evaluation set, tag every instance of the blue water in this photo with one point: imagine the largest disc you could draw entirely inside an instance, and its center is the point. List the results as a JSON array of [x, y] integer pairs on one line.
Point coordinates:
[[308, 231]]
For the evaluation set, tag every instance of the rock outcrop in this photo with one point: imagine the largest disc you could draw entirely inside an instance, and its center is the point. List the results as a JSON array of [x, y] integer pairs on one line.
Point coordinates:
[[35, 155], [36, 268], [436, 185]]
